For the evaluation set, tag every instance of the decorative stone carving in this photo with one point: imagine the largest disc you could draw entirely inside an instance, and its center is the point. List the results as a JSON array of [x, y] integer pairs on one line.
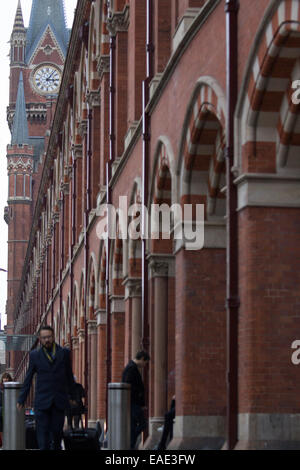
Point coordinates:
[[82, 128], [119, 21], [92, 327], [161, 265], [133, 288], [20, 164], [77, 151], [101, 317], [93, 98], [103, 65]]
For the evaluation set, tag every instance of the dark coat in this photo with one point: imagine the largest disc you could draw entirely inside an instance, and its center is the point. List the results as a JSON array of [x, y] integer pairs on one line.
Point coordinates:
[[78, 409], [132, 376], [1, 410], [55, 381]]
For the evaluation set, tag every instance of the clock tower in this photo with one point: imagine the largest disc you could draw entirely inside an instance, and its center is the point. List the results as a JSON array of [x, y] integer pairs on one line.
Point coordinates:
[[37, 55]]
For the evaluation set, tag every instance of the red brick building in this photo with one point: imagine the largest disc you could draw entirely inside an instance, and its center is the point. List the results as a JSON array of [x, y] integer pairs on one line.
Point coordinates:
[[175, 102]]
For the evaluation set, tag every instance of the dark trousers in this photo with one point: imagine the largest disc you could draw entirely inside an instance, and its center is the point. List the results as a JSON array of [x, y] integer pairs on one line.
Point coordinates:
[[138, 423], [167, 430], [49, 428]]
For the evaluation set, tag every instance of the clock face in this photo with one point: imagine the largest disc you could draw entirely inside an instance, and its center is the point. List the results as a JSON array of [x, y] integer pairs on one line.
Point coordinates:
[[46, 79]]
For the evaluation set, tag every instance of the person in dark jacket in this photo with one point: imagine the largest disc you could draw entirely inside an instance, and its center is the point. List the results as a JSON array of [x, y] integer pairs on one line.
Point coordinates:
[[74, 412], [132, 376], [55, 384], [168, 426]]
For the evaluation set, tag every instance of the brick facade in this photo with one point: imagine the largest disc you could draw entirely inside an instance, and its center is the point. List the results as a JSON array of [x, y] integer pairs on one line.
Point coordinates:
[[99, 116]]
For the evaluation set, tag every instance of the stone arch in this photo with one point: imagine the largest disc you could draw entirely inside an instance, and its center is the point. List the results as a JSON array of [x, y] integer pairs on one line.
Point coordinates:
[[102, 275], [267, 120], [135, 245], [163, 157], [75, 313], [163, 192], [92, 294], [81, 302], [202, 159]]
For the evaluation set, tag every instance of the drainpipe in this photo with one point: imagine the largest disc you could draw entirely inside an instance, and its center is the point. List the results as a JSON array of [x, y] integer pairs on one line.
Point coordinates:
[[145, 186], [112, 53], [62, 217], [232, 301], [53, 249], [73, 239], [47, 276], [84, 35], [62, 256], [86, 252], [145, 175]]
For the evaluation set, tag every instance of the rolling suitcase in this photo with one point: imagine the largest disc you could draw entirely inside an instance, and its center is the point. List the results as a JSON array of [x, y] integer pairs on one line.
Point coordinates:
[[82, 439], [30, 432]]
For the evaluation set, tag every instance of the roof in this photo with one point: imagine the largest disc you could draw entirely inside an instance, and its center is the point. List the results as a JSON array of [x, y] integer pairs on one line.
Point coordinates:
[[20, 127], [46, 13], [19, 23]]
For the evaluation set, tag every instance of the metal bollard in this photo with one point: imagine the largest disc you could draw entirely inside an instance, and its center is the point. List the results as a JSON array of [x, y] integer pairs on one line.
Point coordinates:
[[13, 419], [119, 409]]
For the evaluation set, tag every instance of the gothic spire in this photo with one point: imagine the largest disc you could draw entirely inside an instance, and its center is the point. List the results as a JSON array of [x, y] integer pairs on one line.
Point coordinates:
[[20, 134], [47, 13], [19, 22]]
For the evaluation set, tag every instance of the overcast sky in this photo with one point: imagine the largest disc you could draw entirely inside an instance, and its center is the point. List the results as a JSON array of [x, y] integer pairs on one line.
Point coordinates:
[[6, 23]]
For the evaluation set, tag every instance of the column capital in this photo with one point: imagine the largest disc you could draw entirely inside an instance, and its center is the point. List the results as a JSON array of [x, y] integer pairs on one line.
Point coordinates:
[[92, 327], [161, 265], [101, 317], [118, 21], [93, 98], [77, 151], [117, 304], [103, 65], [81, 335], [82, 127], [75, 342], [133, 287], [283, 190]]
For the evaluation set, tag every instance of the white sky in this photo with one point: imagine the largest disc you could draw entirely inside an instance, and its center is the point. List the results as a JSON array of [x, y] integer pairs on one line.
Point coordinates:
[[6, 24]]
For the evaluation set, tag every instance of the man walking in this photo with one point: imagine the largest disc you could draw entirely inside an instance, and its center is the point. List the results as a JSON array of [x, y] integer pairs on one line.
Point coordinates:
[[132, 376], [55, 384]]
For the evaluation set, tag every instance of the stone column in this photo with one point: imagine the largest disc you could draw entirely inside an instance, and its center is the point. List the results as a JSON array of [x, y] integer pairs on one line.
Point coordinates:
[[101, 364], [81, 357], [92, 364], [269, 322], [134, 293], [75, 347], [200, 354], [160, 266], [118, 336]]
